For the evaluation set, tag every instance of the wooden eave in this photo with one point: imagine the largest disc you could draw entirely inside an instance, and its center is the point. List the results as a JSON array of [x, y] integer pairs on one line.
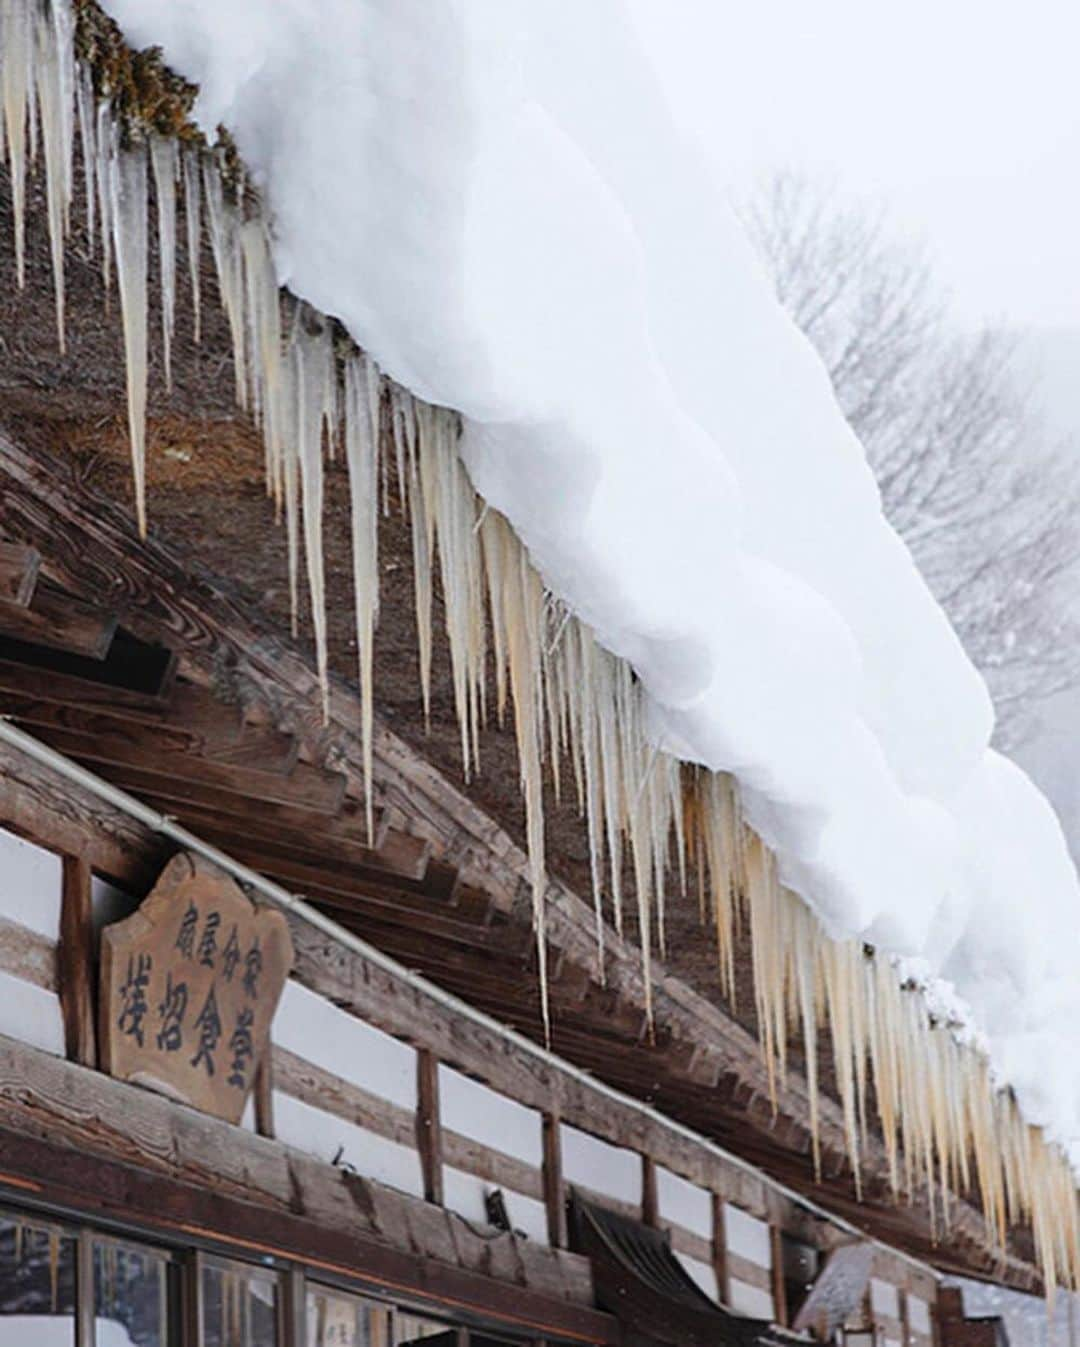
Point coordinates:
[[222, 729]]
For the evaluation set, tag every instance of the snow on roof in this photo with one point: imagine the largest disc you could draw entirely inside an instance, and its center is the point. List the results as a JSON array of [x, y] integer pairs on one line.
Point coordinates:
[[491, 197]]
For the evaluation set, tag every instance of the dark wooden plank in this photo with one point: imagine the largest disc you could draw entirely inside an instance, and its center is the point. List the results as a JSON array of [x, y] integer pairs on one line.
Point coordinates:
[[127, 763], [76, 963], [344, 838], [69, 689], [19, 569], [429, 1125], [61, 623]]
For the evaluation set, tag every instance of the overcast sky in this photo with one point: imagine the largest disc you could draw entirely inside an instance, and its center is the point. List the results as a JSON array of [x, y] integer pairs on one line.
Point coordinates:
[[962, 115]]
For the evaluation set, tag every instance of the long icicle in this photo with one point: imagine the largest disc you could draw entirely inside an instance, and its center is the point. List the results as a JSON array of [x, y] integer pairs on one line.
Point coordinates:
[[128, 197]]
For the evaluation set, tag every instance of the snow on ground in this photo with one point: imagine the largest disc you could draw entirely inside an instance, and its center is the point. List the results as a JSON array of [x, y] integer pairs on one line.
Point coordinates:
[[492, 197]]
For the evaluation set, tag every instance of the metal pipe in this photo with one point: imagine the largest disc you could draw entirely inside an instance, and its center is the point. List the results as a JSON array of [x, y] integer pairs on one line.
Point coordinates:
[[291, 902]]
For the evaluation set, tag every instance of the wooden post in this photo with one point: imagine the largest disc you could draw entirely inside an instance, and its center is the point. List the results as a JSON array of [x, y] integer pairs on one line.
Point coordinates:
[[428, 1126], [719, 1250], [264, 1094], [650, 1198], [780, 1305], [76, 974], [85, 1309], [294, 1308], [554, 1188]]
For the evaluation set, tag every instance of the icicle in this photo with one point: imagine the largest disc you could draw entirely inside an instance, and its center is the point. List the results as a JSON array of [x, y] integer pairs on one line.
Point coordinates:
[[361, 456], [193, 224], [228, 263], [311, 354], [54, 70], [84, 103], [16, 46], [107, 138], [164, 158], [128, 198]]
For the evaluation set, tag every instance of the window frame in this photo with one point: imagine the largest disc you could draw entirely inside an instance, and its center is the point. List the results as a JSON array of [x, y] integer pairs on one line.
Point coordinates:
[[187, 1261]]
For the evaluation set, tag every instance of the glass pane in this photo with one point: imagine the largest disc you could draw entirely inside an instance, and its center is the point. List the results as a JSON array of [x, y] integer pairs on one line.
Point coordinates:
[[37, 1285], [239, 1307], [338, 1320], [410, 1328], [131, 1296]]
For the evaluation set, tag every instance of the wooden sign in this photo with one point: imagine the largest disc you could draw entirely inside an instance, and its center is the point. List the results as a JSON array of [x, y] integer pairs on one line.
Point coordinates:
[[189, 986]]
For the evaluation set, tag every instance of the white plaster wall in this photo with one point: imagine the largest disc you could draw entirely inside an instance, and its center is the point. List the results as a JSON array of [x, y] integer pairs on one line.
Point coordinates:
[[311, 1027], [751, 1300], [323, 1135], [464, 1193], [700, 1272], [747, 1236], [918, 1315], [884, 1298], [603, 1168], [31, 881], [31, 1014], [684, 1203], [475, 1111]]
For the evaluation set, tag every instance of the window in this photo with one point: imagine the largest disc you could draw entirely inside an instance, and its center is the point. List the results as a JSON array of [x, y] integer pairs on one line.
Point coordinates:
[[37, 1283], [238, 1305], [58, 1276], [134, 1295], [335, 1319]]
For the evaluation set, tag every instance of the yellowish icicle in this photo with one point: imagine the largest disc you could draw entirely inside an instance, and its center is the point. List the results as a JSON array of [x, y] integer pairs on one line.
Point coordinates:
[[521, 605], [107, 139], [16, 55], [311, 353], [361, 456], [164, 160], [193, 227], [87, 118], [128, 204], [224, 245], [54, 79]]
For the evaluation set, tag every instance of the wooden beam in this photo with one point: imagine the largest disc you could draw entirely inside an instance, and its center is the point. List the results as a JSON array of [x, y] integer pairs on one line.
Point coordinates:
[[429, 1125], [19, 568], [307, 788], [650, 1197], [53, 813], [59, 622], [719, 1250], [554, 1186], [71, 690], [76, 963], [160, 1167], [264, 1097], [779, 1286]]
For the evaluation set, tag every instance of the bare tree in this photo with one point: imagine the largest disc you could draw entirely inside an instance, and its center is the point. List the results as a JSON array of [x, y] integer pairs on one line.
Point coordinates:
[[989, 508]]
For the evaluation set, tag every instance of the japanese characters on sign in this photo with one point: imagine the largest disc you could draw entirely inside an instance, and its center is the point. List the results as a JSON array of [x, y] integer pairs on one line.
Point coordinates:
[[189, 985]]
